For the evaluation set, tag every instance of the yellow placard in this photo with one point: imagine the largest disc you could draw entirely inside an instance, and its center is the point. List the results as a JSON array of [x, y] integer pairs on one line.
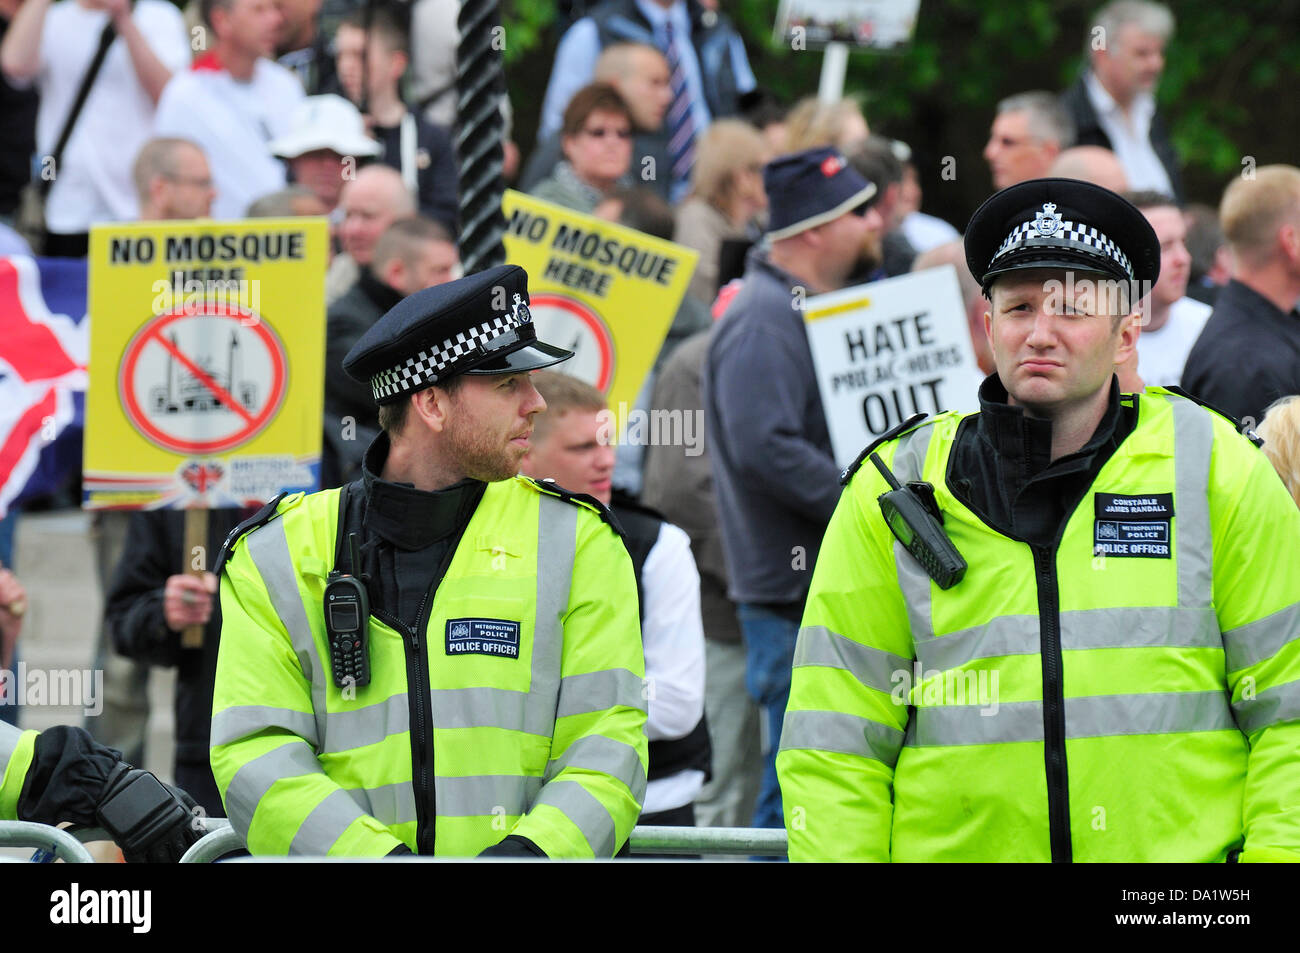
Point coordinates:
[[207, 362], [606, 292]]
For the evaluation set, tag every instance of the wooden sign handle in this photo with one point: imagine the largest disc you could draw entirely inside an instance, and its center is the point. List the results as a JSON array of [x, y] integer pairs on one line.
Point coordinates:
[[196, 535]]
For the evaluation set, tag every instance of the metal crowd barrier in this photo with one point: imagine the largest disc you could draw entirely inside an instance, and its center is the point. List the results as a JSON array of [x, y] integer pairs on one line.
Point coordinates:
[[214, 844], [707, 841], [51, 842], [701, 841], [221, 839]]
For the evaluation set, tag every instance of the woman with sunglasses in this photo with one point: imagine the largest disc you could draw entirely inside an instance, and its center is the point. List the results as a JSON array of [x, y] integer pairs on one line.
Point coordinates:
[[597, 141]]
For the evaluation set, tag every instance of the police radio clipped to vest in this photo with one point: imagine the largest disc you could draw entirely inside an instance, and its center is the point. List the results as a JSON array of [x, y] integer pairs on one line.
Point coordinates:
[[914, 517], [347, 624]]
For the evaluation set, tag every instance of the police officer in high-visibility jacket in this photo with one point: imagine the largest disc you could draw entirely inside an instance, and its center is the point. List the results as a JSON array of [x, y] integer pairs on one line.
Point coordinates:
[[494, 701], [1115, 675]]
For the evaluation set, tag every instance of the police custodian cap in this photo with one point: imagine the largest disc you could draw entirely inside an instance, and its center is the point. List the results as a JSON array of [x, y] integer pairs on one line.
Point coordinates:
[[474, 325], [1061, 223]]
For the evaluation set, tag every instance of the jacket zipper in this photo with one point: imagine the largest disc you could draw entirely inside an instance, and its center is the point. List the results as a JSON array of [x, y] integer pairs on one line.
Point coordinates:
[[417, 685], [419, 701], [1058, 776]]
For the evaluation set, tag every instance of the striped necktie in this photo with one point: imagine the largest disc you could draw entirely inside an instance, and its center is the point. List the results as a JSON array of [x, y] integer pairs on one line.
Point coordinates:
[[681, 118]]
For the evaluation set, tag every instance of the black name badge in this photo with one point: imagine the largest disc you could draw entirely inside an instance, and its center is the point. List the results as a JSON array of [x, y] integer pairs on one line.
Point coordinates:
[[499, 637], [1133, 525]]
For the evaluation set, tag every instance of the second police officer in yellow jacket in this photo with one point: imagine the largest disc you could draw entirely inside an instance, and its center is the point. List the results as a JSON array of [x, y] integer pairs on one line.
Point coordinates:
[[1115, 677], [494, 700]]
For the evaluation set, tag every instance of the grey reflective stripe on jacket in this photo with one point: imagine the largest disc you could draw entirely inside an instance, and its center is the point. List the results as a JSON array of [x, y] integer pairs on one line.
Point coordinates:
[[1193, 447], [909, 465], [1250, 644], [839, 731], [1094, 716]]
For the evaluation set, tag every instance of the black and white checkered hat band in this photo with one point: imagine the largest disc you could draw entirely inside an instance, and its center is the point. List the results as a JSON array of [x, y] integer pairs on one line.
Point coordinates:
[[427, 366], [1068, 235]]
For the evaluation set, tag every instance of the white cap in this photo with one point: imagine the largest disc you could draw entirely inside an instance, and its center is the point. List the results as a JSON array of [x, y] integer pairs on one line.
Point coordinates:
[[325, 122]]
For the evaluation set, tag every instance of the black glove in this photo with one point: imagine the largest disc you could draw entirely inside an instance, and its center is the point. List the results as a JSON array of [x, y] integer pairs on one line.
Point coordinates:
[[514, 845], [150, 821]]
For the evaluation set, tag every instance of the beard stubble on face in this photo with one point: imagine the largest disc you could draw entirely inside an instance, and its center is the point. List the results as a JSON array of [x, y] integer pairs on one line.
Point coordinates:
[[480, 450]]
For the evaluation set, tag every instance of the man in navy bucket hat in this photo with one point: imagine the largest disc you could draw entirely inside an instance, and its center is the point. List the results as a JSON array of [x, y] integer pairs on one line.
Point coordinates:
[[777, 483]]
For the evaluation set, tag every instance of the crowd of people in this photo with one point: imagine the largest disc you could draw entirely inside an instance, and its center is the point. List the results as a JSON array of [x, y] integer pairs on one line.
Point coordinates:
[[652, 118]]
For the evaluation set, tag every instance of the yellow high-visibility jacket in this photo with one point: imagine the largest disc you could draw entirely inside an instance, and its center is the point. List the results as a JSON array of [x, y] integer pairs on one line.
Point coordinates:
[[16, 748], [548, 744], [1130, 695]]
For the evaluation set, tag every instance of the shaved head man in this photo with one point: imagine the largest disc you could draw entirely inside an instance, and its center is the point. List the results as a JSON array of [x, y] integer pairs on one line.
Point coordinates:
[[641, 75], [415, 253], [172, 180], [371, 202], [1090, 164]]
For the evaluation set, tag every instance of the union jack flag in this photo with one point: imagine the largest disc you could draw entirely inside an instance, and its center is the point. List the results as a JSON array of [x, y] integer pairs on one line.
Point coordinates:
[[201, 475], [44, 345]]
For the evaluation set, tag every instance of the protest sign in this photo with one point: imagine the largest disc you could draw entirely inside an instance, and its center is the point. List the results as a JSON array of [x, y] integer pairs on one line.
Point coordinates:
[[875, 24], [206, 362], [607, 293], [886, 350]]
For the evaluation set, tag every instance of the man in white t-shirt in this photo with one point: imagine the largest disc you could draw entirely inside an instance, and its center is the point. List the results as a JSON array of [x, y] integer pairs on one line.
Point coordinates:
[[1171, 321], [52, 44], [234, 101]]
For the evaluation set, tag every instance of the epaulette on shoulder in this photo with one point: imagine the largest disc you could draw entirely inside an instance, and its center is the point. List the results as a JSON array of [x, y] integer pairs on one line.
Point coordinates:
[[551, 488], [906, 427], [263, 516], [1246, 430]]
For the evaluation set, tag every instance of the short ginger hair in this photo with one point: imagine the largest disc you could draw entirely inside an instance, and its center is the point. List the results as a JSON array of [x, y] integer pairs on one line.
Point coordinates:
[[562, 393]]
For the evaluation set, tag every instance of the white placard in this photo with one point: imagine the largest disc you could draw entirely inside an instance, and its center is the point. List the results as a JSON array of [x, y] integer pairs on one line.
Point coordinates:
[[873, 24], [886, 350]]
